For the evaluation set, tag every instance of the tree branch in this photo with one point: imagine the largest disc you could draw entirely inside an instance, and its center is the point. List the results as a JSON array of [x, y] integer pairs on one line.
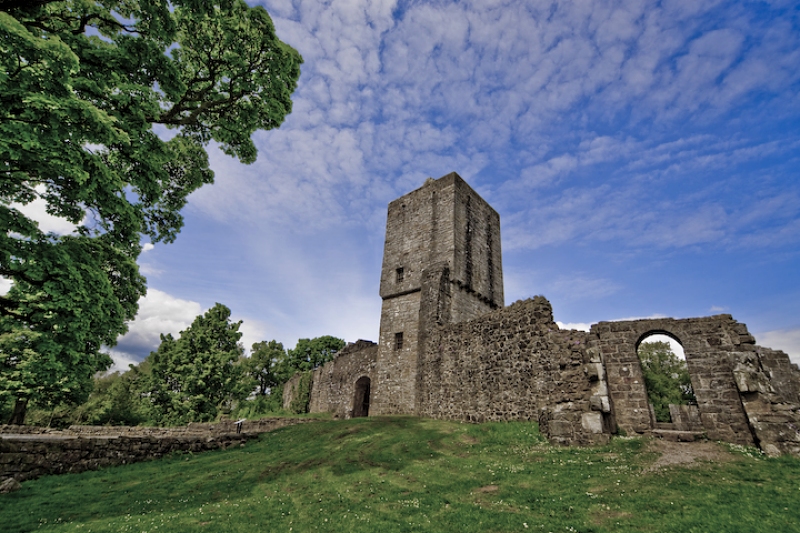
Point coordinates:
[[8, 273]]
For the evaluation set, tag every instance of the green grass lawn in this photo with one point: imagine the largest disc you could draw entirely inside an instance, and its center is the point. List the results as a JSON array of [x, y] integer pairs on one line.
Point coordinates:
[[410, 474]]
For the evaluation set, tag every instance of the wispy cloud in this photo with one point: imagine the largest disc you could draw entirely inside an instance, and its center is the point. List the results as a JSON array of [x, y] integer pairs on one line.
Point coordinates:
[[580, 326], [633, 127], [392, 92]]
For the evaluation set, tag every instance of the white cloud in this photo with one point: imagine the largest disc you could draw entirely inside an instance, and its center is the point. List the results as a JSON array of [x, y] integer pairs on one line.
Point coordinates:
[[5, 285], [391, 90], [637, 205], [580, 326], [252, 331], [37, 211], [787, 340], [121, 361], [149, 270], [580, 287], [158, 313], [632, 318]]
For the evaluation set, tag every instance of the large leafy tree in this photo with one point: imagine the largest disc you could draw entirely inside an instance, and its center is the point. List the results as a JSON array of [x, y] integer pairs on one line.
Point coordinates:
[[666, 377], [308, 354], [263, 364], [198, 373], [89, 91]]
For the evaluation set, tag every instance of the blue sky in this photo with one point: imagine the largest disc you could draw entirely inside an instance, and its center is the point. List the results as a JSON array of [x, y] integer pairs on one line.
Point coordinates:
[[644, 158]]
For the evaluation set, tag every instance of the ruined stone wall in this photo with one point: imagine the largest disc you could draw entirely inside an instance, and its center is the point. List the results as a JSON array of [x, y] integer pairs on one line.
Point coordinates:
[[711, 346], [467, 304], [333, 389], [465, 357], [769, 386], [29, 452], [783, 376], [290, 390], [515, 364]]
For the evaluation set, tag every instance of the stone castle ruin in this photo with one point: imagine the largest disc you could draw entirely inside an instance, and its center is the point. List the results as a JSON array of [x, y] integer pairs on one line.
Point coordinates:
[[448, 348]]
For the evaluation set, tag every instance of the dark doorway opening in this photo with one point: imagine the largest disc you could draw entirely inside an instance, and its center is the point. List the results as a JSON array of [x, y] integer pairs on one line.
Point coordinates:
[[361, 400]]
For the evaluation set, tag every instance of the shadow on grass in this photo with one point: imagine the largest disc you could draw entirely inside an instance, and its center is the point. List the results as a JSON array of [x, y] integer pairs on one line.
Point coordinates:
[[184, 481], [398, 474]]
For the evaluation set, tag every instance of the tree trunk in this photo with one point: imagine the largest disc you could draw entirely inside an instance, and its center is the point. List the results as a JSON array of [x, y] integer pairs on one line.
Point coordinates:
[[18, 416]]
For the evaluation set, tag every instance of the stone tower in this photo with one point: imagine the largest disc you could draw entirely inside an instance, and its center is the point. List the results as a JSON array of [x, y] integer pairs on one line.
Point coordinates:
[[441, 264]]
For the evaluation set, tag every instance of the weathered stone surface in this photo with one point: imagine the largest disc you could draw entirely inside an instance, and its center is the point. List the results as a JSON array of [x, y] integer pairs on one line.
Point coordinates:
[[445, 225], [9, 485], [449, 349], [336, 382], [30, 452]]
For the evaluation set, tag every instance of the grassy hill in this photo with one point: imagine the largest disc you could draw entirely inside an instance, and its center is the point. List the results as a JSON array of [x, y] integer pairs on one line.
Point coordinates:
[[409, 474]]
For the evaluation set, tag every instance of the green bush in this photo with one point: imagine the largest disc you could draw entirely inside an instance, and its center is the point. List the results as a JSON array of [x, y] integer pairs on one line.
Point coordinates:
[[302, 395]]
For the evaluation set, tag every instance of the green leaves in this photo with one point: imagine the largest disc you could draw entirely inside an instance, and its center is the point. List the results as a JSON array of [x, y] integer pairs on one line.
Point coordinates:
[[235, 77], [68, 304], [666, 378], [311, 353], [196, 375], [263, 364], [82, 83]]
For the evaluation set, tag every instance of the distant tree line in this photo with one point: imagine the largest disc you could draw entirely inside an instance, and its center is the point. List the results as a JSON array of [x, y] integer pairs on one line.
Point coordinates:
[[197, 377]]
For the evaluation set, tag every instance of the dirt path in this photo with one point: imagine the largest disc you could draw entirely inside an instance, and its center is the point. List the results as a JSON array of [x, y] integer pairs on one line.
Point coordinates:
[[686, 454]]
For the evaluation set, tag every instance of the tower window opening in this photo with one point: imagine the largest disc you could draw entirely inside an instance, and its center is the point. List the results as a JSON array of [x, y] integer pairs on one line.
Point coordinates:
[[400, 275], [398, 341]]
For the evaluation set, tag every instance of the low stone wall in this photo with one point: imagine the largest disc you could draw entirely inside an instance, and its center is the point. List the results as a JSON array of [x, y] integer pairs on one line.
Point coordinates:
[[29, 452]]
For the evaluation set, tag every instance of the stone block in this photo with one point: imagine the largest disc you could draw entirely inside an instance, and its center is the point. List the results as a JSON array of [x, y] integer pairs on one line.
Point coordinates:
[[752, 382], [560, 428], [592, 422], [594, 371], [600, 403]]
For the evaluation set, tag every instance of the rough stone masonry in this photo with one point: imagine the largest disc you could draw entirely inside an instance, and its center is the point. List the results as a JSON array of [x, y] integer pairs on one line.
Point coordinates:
[[449, 348]]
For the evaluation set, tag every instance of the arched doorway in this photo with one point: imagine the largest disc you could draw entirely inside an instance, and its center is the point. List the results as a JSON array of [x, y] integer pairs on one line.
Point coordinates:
[[666, 378], [361, 398]]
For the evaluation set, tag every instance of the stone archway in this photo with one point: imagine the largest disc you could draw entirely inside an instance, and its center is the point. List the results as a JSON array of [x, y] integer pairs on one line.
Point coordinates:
[[711, 346], [670, 393], [361, 397]]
